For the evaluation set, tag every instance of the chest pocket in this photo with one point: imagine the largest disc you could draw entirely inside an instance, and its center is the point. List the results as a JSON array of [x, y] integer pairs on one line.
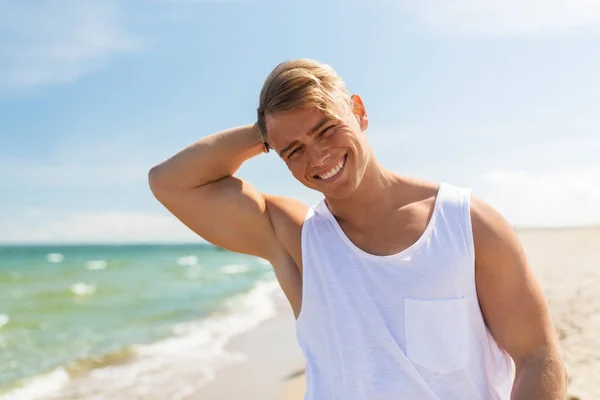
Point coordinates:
[[437, 333]]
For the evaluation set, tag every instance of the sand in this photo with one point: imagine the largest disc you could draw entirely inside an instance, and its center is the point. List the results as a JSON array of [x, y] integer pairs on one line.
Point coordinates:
[[567, 264], [272, 357]]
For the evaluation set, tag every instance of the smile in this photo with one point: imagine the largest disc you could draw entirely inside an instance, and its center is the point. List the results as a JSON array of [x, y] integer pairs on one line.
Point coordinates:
[[335, 171]]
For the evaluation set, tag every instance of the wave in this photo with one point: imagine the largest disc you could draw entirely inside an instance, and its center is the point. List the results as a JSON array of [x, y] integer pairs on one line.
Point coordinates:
[[96, 265], [82, 289], [238, 315], [187, 260], [81, 366], [40, 387], [172, 368], [54, 257], [4, 320], [233, 269]]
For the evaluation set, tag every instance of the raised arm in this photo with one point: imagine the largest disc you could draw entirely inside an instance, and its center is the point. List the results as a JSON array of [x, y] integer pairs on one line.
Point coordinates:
[[198, 187]]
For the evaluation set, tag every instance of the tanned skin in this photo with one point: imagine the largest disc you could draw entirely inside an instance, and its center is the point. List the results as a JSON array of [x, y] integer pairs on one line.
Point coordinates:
[[380, 211]]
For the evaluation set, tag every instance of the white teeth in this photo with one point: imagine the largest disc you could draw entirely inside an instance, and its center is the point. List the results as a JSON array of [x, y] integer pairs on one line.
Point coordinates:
[[333, 171]]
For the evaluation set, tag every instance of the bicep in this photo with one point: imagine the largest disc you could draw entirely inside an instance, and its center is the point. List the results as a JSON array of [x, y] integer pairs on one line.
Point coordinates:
[[511, 298], [229, 213]]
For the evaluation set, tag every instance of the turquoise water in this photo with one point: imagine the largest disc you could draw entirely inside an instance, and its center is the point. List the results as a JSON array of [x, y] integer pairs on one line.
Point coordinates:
[[77, 306]]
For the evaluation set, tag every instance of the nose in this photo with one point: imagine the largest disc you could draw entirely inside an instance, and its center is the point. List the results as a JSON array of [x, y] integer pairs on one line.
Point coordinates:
[[319, 156]]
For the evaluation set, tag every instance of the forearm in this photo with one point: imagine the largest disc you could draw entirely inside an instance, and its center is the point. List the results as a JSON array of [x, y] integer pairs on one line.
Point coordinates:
[[209, 159], [540, 378]]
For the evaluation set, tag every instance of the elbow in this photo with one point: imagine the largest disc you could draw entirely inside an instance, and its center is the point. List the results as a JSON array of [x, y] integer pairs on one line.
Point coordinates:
[[155, 179], [153, 176], [566, 377], [562, 368], [547, 360]]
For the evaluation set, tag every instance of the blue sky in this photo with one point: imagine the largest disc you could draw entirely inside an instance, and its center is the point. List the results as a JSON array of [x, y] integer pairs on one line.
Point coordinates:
[[499, 96]]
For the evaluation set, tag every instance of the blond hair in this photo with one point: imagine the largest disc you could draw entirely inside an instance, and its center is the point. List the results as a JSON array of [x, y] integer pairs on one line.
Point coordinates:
[[301, 83]]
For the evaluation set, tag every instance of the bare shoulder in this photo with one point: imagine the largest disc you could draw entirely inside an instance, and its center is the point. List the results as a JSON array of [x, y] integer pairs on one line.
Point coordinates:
[[287, 216], [497, 246], [489, 226]]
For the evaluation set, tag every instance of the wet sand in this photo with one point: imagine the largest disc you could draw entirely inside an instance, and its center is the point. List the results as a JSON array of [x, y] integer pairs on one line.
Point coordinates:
[[272, 357]]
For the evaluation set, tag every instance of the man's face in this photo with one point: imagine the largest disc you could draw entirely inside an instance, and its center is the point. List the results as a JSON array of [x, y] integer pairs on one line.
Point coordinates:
[[325, 154]]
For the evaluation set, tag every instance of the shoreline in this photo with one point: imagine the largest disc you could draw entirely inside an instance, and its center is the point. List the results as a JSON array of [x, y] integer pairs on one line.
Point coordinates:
[[218, 359], [200, 354], [272, 357]]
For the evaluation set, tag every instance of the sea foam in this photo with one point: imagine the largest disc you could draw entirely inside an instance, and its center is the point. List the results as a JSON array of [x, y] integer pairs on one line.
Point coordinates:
[[40, 387], [3, 320], [187, 260], [171, 368], [82, 289], [175, 367], [232, 269], [54, 257], [96, 265]]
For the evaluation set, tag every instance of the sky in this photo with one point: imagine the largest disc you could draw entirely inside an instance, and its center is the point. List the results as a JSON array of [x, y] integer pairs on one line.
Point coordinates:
[[500, 96]]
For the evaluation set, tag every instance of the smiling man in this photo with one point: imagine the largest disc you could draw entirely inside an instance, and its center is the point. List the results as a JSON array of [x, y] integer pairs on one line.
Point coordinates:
[[402, 288]]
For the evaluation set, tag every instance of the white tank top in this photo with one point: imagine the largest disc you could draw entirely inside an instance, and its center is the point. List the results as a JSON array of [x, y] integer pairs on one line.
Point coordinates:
[[404, 326]]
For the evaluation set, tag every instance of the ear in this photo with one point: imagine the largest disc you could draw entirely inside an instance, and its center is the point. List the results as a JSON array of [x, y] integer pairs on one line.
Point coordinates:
[[360, 112]]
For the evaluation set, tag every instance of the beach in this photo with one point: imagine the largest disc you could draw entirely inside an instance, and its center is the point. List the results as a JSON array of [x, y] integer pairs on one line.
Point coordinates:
[[199, 323], [85, 322], [567, 264]]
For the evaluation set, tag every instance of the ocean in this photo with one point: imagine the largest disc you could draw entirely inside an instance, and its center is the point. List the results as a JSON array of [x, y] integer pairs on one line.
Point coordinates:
[[79, 320]]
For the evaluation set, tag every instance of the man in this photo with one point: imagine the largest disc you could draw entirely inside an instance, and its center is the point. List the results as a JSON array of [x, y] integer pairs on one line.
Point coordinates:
[[402, 289]]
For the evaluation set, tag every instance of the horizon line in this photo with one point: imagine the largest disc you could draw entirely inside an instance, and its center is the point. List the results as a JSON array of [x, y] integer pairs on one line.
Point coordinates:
[[202, 242]]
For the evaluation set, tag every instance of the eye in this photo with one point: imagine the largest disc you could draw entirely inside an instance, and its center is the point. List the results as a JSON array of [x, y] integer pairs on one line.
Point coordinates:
[[328, 129], [296, 150]]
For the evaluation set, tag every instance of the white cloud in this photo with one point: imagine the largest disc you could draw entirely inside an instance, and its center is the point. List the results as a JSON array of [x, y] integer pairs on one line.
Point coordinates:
[[498, 18], [45, 226], [551, 199], [567, 197], [57, 41]]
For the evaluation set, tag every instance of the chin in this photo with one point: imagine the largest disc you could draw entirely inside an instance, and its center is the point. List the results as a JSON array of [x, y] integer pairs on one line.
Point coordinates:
[[339, 193]]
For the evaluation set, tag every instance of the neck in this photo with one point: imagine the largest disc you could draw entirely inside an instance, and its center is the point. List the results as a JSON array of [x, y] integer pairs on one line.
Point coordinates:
[[371, 199]]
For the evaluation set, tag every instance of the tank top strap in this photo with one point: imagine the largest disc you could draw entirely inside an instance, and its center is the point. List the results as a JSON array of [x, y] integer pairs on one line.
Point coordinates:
[[455, 216]]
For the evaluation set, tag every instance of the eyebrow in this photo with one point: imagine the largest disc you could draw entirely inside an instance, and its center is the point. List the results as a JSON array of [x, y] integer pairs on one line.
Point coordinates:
[[312, 131]]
